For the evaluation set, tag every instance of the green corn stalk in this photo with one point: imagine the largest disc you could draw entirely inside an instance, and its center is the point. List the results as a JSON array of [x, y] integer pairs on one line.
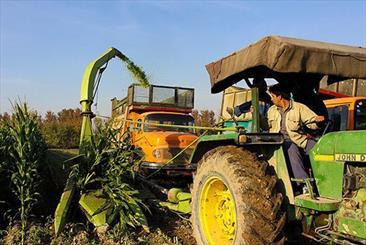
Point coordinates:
[[24, 155], [107, 163], [5, 142], [122, 198]]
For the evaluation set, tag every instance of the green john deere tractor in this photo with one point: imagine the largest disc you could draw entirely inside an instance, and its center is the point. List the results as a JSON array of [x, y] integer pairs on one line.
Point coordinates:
[[243, 192]]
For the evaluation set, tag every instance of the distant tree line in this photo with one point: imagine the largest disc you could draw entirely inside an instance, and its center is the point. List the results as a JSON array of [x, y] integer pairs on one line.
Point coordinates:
[[204, 118], [61, 130]]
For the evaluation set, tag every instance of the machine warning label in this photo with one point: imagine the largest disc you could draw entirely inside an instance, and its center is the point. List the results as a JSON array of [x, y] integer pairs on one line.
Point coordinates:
[[350, 157]]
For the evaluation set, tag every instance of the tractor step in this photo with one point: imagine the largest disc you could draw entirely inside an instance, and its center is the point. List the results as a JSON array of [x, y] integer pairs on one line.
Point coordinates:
[[318, 203]]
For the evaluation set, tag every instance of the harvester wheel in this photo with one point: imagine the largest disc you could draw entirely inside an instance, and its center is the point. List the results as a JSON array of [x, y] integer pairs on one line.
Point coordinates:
[[235, 199]]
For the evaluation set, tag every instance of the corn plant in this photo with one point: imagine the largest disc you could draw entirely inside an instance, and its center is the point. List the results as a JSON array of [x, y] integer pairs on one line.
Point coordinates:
[[5, 143], [121, 197], [107, 163], [24, 154]]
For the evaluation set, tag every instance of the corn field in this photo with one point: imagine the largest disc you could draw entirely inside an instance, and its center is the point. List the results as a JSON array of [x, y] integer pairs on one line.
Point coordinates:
[[105, 163], [22, 150]]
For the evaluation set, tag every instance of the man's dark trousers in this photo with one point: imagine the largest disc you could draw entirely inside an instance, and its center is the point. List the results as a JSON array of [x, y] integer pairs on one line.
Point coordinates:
[[294, 155]]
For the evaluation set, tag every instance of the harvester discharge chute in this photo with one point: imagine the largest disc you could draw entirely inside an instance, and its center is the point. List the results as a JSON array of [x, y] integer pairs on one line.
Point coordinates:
[[89, 86]]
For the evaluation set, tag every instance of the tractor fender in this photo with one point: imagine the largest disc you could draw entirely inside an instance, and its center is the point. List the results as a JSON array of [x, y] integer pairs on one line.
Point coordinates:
[[209, 142]]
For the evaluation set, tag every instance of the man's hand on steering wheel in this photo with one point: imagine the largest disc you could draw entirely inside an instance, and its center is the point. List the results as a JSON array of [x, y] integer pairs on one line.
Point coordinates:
[[319, 119]]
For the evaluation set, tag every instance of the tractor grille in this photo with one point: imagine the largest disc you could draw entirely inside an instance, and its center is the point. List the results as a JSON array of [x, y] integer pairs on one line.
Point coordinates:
[[167, 154]]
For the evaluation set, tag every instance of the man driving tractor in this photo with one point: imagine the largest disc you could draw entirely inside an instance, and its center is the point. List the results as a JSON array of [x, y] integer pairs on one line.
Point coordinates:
[[288, 117]]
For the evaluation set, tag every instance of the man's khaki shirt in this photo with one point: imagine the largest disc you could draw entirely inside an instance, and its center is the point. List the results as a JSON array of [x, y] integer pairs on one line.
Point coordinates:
[[298, 114]]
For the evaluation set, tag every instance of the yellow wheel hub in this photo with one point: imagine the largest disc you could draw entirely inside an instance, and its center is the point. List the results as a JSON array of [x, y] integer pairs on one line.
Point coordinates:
[[217, 212]]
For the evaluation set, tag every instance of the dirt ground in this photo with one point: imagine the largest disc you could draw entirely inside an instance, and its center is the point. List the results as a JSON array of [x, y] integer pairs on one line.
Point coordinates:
[[165, 226], [173, 225]]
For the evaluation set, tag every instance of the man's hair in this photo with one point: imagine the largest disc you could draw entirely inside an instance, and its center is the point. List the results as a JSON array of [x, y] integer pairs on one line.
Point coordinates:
[[280, 89]]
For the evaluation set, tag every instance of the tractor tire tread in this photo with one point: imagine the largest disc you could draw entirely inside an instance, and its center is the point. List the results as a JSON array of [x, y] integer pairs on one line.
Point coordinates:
[[260, 219]]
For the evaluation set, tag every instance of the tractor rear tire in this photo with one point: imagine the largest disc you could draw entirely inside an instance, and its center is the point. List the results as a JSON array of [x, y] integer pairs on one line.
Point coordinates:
[[235, 199]]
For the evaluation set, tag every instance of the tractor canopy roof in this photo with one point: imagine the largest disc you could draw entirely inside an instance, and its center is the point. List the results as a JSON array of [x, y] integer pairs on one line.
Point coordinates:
[[288, 60]]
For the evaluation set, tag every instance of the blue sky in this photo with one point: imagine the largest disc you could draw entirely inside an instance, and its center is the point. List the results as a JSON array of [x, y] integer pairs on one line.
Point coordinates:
[[45, 46]]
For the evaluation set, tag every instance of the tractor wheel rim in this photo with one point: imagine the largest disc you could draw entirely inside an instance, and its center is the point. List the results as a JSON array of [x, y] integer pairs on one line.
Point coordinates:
[[217, 212]]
